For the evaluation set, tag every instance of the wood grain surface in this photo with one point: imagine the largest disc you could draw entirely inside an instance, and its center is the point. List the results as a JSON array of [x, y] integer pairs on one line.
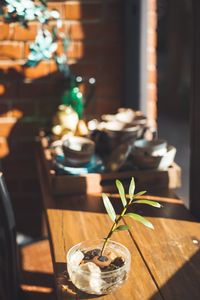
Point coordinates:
[[171, 251], [165, 261]]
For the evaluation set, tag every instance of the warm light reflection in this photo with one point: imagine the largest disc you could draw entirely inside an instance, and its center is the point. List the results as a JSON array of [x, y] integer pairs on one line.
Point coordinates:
[[99, 194], [2, 89], [4, 148], [38, 289], [7, 122], [65, 285], [14, 114]]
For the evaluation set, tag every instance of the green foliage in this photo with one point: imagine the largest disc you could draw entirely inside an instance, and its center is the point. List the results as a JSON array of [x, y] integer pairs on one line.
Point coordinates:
[[132, 188], [109, 208], [26, 10], [122, 227], [133, 199], [140, 219], [45, 45], [74, 98], [148, 202], [140, 193], [121, 192]]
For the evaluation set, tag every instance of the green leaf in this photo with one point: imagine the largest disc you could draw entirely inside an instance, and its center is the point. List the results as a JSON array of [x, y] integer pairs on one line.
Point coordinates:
[[121, 192], [140, 219], [122, 227], [132, 188], [65, 43], [149, 202], [31, 63], [140, 193], [109, 208]]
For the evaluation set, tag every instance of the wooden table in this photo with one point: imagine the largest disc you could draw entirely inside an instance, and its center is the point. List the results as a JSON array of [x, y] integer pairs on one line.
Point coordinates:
[[165, 262]]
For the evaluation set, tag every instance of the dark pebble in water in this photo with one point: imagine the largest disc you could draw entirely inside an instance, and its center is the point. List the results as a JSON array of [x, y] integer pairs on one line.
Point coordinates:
[[102, 258], [111, 267], [91, 254], [118, 262]]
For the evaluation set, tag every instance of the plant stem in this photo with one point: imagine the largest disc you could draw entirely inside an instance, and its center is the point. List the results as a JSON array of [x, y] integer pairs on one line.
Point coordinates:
[[108, 237], [115, 225]]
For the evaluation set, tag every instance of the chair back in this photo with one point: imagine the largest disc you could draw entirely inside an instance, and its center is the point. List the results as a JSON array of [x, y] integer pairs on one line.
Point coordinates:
[[9, 284]]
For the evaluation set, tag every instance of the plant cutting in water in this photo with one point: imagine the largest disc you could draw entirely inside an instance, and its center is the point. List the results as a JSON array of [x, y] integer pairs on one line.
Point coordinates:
[[132, 199], [100, 266]]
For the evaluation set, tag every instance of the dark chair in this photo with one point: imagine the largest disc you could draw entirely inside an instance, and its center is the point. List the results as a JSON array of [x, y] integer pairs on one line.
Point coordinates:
[[25, 272]]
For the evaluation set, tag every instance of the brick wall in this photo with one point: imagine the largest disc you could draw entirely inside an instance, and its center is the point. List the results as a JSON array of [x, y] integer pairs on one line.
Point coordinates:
[[29, 96], [152, 62]]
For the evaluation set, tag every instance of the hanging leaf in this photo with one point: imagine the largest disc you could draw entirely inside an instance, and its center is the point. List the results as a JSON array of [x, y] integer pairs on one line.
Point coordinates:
[[122, 227], [132, 188], [31, 63], [45, 45], [65, 43], [140, 219], [149, 202], [54, 32], [121, 192], [140, 193], [109, 208]]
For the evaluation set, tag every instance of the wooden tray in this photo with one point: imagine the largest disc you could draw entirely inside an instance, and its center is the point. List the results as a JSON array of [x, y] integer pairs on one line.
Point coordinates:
[[150, 180]]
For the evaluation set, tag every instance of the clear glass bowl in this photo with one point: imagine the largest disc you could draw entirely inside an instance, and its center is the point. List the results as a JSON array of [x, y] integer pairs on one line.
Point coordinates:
[[95, 281]]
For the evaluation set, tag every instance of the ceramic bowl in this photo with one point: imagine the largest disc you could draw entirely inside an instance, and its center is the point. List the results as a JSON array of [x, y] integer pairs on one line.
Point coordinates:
[[118, 157], [146, 161], [155, 147], [111, 134], [126, 116], [78, 150], [118, 132], [95, 281]]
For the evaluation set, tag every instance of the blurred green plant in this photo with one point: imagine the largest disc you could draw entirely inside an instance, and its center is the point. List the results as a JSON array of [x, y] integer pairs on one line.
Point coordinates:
[[45, 46]]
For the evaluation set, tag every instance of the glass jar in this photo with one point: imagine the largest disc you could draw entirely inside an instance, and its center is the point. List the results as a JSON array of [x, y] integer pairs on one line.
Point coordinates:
[[96, 281]]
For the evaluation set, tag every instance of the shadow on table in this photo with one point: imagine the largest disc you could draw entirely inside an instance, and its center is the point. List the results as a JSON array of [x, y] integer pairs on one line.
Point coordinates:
[[37, 279], [173, 209], [185, 283], [37, 295], [37, 285]]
